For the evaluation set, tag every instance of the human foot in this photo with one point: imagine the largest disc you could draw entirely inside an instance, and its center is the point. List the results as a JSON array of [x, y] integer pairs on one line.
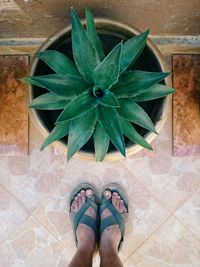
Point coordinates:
[[112, 235], [85, 234]]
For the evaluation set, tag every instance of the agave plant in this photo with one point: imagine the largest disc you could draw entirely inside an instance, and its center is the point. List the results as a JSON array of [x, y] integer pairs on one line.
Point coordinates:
[[99, 94]]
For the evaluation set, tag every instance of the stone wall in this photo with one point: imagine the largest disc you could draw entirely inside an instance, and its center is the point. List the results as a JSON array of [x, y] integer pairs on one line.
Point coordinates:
[[40, 18]]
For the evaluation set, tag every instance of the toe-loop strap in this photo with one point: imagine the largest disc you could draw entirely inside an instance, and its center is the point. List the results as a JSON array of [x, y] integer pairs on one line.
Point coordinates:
[[115, 218], [81, 217], [91, 222]]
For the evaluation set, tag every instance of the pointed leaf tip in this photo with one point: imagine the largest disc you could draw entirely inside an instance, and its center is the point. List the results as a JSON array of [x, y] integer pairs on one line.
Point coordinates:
[[133, 135], [107, 117], [81, 129], [58, 62], [133, 83], [132, 48], [86, 62], [133, 112], [92, 33], [58, 132]]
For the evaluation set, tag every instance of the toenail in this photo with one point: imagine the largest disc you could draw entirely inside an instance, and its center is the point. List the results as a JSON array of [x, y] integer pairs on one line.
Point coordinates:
[[89, 192]]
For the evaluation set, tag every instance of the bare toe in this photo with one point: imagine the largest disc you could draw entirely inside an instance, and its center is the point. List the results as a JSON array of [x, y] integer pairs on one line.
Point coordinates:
[[114, 198], [79, 199], [83, 193], [76, 202], [118, 203], [107, 194], [89, 193], [121, 208], [73, 206]]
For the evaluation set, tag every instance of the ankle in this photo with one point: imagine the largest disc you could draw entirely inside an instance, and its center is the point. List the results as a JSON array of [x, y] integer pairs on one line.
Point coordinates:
[[86, 250], [108, 247]]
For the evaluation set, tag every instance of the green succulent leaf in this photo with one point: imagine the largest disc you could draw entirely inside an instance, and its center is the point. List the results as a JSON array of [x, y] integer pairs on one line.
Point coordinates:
[[101, 142], [130, 132], [78, 107], [136, 82], [132, 49], [49, 101], [157, 91], [58, 132], [133, 112], [109, 119], [107, 72], [29, 80], [85, 55], [60, 84], [81, 129], [92, 33], [108, 99], [58, 62]]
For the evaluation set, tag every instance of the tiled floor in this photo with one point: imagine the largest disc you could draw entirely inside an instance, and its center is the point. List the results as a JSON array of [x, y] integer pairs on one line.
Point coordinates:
[[163, 229]]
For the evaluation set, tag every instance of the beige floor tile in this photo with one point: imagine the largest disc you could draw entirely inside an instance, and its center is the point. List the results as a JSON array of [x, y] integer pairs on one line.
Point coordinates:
[[32, 179], [33, 246], [175, 185], [189, 214], [171, 179], [12, 214], [171, 246], [146, 214]]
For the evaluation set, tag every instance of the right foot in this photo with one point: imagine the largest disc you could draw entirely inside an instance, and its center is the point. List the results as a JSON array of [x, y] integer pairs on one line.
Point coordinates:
[[111, 236], [85, 234]]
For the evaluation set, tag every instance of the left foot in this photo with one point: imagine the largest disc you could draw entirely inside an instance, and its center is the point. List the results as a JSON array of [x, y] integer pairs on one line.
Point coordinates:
[[85, 234]]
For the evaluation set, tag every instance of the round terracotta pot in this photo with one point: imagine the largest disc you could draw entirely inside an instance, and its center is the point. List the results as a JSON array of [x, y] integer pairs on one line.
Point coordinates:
[[111, 32]]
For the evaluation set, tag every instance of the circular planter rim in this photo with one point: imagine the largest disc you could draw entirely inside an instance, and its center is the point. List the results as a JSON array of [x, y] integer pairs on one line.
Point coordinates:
[[114, 155]]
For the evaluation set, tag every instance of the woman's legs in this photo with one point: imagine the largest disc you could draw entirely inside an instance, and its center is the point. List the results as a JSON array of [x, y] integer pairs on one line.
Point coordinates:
[[85, 234], [111, 236]]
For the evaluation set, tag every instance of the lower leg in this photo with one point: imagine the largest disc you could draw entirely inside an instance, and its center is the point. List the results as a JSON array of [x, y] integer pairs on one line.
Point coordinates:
[[85, 235], [111, 236], [109, 255], [82, 258]]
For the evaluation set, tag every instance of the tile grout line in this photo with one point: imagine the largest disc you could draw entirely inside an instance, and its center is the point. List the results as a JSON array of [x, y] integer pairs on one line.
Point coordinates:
[[190, 197], [161, 203], [29, 215], [187, 228], [171, 213], [60, 241], [149, 190], [16, 199], [25, 210], [165, 220]]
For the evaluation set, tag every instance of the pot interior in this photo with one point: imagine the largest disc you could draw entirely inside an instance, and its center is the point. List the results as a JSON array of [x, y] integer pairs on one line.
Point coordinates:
[[146, 62]]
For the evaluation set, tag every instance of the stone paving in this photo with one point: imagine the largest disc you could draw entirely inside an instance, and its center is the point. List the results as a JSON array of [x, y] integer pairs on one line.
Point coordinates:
[[163, 228]]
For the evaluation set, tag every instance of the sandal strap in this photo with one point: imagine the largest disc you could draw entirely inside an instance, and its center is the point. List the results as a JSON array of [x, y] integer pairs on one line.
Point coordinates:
[[115, 218], [81, 217], [89, 221]]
